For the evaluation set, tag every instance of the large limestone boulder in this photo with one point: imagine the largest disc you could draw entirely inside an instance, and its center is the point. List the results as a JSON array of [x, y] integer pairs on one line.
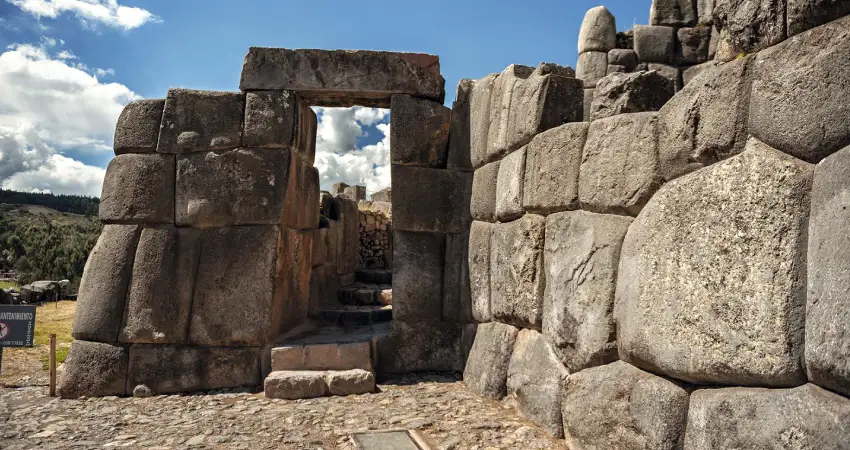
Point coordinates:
[[673, 13], [418, 275], [816, 59], [430, 200], [827, 306], [167, 369], [536, 380], [103, 287], [621, 93], [552, 164], [344, 77], [137, 130], [711, 281], [619, 169], [748, 26], [280, 119], [803, 417], [159, 299], [479, 119], [459, 154], [707, 121], [482, 205], [598, 32], [419, 132], [582, 252], [486, 370], [138, 188], [509, 186], [479, 270], [807, 14], [232, 187], [516, 271], [200, 121], [620, 406], [93, 369]]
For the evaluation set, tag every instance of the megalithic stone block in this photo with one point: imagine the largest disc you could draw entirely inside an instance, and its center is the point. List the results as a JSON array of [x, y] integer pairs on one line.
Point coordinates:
[[673, 13], [480, 234], [592, 67], [457, 305], [806, 14], [486, 370], [705, 12], [168, 369], [138, 188], [479, 119], [430, 200], [552, 164], [692, 45], [598, 32], [344, 77], [460, 156], [94, 369], [418, 269], [301, 203], [698, 228], [259, 274], [103, 287], [623, 57], [200, 121], [516, 271], [672, 73], [347, 233], [630, 93], [421, 346], [655, 43], [280, 119], [419, 132], [749, 26], [159, 299], [137, 130], [236, 187], [324, 288], [482, 205], [509, 186]]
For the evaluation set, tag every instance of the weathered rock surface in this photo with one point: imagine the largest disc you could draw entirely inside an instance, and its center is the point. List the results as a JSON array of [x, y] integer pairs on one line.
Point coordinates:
[[479, 270], [619, 169], [350, 382], [694, 71], [707, 121], [807, 14], [103, 288], [827, 312], [592, 67], [705, 296], [178, 368], [552, 166], [419, 132], [802, 417], [344, 77], [623, 57], [692, 45], [582, 253], [232, 187], [138, 188], [479, 119], [430, 200], [814, 59], [159, 299], [620, 406], [705, 12], [324, 287], [509, 186], [333, 356], [460, 147], [457, 304], [672, 73], [482, 206], [346, 234], [420, 346], [673, 13], [516, 271], [536, 380], [418, 275], [280, 119], [293, 385], [93, 369], [655, 43], [200, 121], [622, 93], [300, 209], [137, 130], [487, 367], [588, 101], [598, 32], [748, 26]]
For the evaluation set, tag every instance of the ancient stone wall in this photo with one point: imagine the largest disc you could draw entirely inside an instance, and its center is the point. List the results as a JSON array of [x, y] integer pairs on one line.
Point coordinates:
[[375, 240], [670, 275]]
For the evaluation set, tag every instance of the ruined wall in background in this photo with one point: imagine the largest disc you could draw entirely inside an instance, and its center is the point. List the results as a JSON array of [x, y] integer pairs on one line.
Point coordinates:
[[669, 275]]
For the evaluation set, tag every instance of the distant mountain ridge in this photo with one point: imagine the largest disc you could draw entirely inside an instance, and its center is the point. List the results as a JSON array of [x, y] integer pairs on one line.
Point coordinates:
[[74, 204]]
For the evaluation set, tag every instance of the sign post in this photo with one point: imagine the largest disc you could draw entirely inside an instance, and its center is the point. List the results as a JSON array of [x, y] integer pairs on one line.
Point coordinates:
[[17, 327]]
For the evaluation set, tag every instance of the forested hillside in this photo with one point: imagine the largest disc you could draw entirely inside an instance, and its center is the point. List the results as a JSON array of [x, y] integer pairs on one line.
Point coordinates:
[[45, 237]]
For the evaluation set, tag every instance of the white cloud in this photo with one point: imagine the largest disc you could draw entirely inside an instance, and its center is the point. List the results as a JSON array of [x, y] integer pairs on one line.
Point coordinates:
[[337, 156], [105, 12], [48, 105]]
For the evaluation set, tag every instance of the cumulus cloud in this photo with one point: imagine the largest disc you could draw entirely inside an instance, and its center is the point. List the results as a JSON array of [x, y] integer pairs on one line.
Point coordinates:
[[48, 104], [340, 160], [90, 12]]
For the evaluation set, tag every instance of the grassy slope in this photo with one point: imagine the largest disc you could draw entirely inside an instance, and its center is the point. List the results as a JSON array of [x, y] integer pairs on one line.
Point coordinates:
[[27, 366]]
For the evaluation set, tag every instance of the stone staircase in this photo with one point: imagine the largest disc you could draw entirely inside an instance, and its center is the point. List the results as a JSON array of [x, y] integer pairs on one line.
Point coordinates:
[[340, 357]]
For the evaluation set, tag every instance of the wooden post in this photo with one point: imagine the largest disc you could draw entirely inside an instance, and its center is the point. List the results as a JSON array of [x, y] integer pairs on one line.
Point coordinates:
[[53, 365]]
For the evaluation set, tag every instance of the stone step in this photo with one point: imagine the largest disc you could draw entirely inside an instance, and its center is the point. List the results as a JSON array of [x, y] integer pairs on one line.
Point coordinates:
[[357, 316], [365, 294], [299, 384], [323, 356], [376, 276]]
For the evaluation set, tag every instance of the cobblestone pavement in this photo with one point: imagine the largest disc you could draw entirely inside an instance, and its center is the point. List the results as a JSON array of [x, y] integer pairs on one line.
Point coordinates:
[[440, 407]]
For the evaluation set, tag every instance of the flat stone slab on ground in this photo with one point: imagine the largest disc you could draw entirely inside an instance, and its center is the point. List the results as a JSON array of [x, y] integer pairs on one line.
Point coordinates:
[[388, 440], [344, 77]]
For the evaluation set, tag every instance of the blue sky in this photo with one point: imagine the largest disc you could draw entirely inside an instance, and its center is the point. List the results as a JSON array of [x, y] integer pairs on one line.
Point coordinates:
[[143, 47]]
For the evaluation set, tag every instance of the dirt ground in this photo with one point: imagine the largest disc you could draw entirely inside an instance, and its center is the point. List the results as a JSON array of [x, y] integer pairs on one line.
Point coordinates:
[[28, 366]]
